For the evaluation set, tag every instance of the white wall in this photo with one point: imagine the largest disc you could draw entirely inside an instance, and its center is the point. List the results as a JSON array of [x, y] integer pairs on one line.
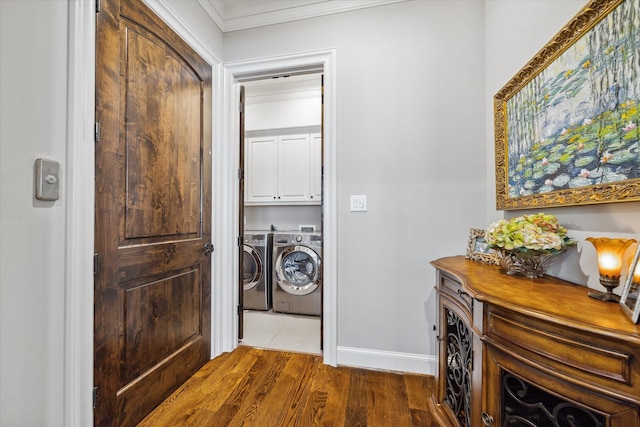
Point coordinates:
[[410, 108], [283, 114], [282, 217], [33, 120]]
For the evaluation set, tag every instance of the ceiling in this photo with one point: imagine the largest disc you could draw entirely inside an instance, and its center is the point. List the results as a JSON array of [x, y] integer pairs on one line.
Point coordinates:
[[233, 15]]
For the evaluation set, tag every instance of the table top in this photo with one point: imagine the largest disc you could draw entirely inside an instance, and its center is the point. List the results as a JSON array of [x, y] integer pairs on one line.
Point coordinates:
[[547, 298]]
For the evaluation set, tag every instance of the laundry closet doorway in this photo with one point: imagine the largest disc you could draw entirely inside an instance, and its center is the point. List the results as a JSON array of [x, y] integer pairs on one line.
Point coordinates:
[[280, 214], [227, 263]]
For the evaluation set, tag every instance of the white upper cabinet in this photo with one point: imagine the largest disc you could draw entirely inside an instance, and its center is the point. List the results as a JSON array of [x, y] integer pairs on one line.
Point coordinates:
[[283, 169], [293, 168], [261, 180], [315, 166]]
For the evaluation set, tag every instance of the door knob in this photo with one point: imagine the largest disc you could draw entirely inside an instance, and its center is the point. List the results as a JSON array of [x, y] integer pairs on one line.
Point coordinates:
[[208, 248]]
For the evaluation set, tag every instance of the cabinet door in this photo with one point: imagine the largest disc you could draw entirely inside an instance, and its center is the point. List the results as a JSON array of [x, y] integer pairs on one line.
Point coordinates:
[[455, 374], [261, 169], [519, 391], [316, 167], [293, 168]]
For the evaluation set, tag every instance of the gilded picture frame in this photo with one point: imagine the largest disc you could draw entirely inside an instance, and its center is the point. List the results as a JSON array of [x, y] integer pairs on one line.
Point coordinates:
[[630, 298], [567, 124], [479, 250]]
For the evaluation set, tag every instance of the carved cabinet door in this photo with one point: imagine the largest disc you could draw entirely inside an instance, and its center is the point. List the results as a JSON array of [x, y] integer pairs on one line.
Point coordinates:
[[520, 394]]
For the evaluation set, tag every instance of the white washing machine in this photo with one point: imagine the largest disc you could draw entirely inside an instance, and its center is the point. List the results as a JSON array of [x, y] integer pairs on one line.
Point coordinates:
[[256, 270], [297, 273]]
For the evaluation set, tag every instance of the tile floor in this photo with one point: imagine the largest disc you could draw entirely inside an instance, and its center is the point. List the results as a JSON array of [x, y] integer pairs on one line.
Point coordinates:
[[266, 329]]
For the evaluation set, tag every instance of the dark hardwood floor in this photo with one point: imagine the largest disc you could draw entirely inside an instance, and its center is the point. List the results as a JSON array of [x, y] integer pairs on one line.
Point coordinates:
[[266, 388]]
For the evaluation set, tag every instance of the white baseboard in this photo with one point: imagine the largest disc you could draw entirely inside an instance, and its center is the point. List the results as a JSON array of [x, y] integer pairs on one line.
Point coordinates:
[[386, 360]]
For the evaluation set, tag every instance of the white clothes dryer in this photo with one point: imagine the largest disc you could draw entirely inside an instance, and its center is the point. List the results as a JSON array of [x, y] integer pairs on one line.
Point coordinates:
[[256, 270], [297, 273]]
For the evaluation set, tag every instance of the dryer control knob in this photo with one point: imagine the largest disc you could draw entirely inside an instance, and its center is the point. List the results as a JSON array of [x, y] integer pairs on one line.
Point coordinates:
[[298, 239]]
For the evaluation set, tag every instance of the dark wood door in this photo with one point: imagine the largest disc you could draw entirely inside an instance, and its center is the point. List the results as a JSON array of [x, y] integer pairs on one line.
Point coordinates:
[[152, 323]]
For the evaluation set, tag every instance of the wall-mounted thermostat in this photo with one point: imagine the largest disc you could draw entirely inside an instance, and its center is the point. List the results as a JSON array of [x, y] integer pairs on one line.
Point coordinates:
[[47, 179]]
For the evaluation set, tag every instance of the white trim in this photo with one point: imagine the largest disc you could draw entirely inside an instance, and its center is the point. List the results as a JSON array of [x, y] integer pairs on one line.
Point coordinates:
[[225, 222], [282, 97], [387, 360], [234, 71], [177, 24], [213, 13], [79, 221], [253, 17]]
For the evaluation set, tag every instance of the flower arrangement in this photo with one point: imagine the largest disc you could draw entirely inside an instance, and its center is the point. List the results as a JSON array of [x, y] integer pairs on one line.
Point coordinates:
[[534, 234]]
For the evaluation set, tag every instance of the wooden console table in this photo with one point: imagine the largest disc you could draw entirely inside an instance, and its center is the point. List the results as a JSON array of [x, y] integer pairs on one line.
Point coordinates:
[[531, 352]]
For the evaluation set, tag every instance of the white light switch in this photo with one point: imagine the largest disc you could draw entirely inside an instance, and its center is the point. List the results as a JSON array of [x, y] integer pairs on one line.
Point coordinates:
[[359, 203]]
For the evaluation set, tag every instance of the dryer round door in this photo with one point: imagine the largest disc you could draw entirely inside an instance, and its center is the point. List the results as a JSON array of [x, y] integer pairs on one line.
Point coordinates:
[[252, 268], [297, 270]]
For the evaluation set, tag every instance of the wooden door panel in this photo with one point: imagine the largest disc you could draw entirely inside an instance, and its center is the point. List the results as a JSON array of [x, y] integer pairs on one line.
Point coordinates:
[[152, 323], [160, 317], [162, 135], [154, 258], [134, 401]]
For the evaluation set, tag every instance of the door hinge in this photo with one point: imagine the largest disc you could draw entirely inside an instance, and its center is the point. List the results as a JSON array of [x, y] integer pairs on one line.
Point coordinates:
[[95, 397], [241, 107], [95, 264], [239, 310], [240, 173], [97, 6], [239, 241], [96, 136]]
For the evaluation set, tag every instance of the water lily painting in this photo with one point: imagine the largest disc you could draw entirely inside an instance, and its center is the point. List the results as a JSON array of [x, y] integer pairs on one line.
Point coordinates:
[[567, 123]]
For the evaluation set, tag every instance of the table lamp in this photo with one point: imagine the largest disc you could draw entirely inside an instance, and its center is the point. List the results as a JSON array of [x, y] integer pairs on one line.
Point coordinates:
[[610, 253]]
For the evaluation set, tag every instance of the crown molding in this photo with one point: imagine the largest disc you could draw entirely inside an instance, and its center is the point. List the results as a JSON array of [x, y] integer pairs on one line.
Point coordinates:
[[304, 11], [213, 13]]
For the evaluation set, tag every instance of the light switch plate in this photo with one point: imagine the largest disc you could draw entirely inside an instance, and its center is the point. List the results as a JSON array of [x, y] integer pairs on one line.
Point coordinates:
[[47, 179], [359, 203]]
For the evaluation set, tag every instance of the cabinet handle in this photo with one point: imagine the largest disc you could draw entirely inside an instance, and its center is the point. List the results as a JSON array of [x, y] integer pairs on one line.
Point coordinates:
[[486, 419]]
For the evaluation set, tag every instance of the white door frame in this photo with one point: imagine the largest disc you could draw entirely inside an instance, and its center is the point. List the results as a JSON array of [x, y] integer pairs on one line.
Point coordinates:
[[79, 221], [226, 205]]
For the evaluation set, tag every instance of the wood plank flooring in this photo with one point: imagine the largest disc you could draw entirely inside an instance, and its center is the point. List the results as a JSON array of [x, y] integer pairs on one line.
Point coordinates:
[[267, 388]]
